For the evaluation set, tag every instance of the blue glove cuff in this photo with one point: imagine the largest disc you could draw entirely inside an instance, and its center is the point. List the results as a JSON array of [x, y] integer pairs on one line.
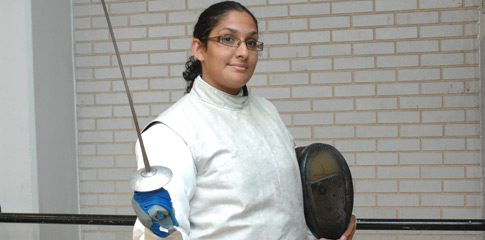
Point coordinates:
[[155, 202]]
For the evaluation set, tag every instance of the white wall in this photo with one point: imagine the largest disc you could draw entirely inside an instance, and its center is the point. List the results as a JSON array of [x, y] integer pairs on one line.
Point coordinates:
[[38, 172]]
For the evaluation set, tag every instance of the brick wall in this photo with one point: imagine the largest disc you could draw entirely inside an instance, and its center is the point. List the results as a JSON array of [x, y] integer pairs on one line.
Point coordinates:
[[393, 84]]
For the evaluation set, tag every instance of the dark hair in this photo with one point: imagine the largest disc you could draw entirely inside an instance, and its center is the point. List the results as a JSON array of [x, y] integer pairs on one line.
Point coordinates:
[[208, 19]]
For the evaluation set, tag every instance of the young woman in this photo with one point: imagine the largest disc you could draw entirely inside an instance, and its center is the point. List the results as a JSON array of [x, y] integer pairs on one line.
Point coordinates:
[[235, 173]]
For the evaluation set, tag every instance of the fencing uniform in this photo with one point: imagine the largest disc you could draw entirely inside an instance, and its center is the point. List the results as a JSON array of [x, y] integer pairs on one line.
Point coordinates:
[[235, 174]]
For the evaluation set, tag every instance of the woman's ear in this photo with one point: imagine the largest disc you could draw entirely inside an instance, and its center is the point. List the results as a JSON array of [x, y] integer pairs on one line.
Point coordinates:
[[198, 49]]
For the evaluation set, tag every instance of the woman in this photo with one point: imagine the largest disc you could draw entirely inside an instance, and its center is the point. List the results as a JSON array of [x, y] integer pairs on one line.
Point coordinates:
[[235, 174]]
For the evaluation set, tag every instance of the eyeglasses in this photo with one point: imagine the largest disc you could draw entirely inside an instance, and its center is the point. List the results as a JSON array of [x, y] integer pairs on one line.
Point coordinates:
[[231, 41]]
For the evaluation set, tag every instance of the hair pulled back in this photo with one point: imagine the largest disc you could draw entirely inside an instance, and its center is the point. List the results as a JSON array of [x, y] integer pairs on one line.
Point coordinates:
[[208, 19]]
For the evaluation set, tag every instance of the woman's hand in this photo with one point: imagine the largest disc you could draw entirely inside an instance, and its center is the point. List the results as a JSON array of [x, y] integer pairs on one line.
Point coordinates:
[[349, 233]]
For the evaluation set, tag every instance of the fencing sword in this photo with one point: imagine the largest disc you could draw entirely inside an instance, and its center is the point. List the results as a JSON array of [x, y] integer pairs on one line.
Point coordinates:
[[149, 178]]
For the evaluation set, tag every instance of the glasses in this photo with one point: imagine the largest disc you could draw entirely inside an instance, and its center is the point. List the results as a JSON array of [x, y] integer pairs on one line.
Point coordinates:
[[231, 41]]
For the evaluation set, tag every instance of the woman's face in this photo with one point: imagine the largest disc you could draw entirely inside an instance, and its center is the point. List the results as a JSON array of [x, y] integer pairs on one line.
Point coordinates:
[[224, 67]]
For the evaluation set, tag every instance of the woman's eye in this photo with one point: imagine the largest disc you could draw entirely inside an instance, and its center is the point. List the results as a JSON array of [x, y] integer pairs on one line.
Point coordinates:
[[227, 39], [251, 42]]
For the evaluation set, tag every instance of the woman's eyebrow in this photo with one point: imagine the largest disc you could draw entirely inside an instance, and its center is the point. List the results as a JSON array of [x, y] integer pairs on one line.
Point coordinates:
[[232, 30]]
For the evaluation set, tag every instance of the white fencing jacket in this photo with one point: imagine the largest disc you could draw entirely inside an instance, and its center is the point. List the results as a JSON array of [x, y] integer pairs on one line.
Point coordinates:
[[235, 173]]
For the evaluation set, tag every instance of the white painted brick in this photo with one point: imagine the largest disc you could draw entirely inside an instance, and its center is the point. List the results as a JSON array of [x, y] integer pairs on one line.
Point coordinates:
[[150, 97], [87, 10], [443, 88], [469, 213], [128, 7], [95, 136], [310, 9], [398, 61], [334, 132], [396, 33], [423, 158], [273, 66], [166, 5], [420, 186], [82, 23], [270, 11], [372, 20], [393, 5], [364, 199], [92, 61], [471, 58], [442, 172], [473, 143], [293, 51], [442, 59], [115, 149], [421, 130], [90, 35], [130, 33], [420, 102], [369, 186], [417, 46], [462, 129], [287, 24], [311, 64], [398, 117], [352, 35], [301, 132], [378, 212], [150, 71], [311, 91], [84, 74], [274, 38], [375, 103], [93, 112], [88, 199], [352, 6], [107, 47], [183, 17], [405, 200], [96, 187], [85, 124], [180, 43], [272, 92], [472, 29], [473, 172], [288, 79], [398, 145], [472, 115], [309, 37], [109, 73], [375, 76], [443, 144], [462, 157], [419, 74], [114, 199], [373, 48], [116, 21], [168, 57], [114, 124], [312, 118], [461, 73], [331, 77], [148, 19], [149, 45], [96, 162], [87, 149], [363, 173], [472, 101], [377, 131], [333, 105], [443, 116], [443, 200], [114, 174], [355, 90], [472, 3], [133, 84], [84, 99], [125, 161], [473, 200], [331, 50], [460, 16], [397, 89], [166, 31], [397, 172], [355, 117], [330, 22], [167, 83], [468, 186], [379, 158], [292, 106], [354, 62], [419, 213], [439, 3], [111, 98], [125, 111], [355, 145], [88, 87], [441, 31], [132, 59], [417, 17]]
